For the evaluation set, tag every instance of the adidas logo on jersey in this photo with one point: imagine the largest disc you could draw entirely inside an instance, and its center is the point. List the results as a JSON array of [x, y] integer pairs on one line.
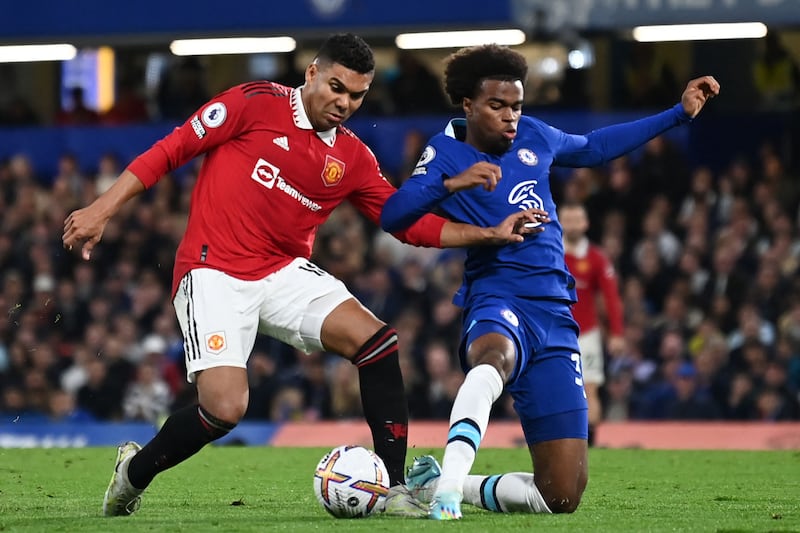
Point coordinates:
[[283, 142]]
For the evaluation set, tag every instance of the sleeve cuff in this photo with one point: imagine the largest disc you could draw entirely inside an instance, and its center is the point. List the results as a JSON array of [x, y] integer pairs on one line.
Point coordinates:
[[680, 114]]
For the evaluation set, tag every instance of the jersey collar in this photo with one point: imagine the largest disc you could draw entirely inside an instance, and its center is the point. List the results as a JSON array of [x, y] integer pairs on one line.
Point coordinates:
[[457, 129], [301, 118]]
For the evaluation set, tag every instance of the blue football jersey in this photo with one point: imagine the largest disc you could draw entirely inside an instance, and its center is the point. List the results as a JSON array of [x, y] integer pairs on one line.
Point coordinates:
[[534, 268]]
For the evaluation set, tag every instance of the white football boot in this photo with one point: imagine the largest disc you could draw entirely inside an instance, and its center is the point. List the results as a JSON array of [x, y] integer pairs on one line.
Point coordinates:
[[121, 497], [400, 502]]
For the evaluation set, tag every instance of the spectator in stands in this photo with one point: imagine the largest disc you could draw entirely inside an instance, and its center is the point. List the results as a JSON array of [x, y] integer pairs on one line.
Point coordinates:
[[654, 275], [292, 74], [183, 89], [780, 185], [701, 199], [345, 394], [13, 402], [751, 326], [655, 230], [649, 81], [18, 112], [619, 387], [129, 106], [690, 402], [438, 367], [772, 406], [99, 396], [63, 407], [662, 170], [76, 374], [148, 397], [108, 168], [776, 76], [315, 386], [77, 112], [726, 280], [262, 372], [413, 88], [621, 194], [288, 405]]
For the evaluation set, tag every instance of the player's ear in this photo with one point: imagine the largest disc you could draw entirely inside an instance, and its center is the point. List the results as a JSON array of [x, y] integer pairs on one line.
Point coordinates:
[[311, 72], [466, 105]]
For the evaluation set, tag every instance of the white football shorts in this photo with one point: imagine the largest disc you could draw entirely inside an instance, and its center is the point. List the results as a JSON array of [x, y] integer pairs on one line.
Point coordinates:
[[220, 315], [591, 345]]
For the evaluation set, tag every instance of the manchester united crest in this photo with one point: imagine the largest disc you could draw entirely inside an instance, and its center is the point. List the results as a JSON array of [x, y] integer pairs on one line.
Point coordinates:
[[333, 171], [215, 342]]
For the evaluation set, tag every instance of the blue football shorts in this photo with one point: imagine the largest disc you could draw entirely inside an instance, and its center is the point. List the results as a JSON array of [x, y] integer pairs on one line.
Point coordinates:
[[547, 383]]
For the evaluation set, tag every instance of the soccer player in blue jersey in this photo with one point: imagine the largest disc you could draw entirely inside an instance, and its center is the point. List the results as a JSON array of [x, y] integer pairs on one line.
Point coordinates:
[[518, 329]]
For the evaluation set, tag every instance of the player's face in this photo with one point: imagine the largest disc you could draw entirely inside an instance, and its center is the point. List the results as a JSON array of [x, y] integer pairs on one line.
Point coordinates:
[[574, 223], [493, 115], [332, 93]]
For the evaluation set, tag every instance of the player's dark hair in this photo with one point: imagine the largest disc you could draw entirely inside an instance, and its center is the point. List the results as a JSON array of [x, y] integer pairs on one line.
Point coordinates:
[[348, 50], [467, 68]]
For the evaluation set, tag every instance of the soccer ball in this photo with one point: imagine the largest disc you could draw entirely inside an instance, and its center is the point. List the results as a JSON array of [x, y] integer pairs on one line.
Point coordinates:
[[351, 482]]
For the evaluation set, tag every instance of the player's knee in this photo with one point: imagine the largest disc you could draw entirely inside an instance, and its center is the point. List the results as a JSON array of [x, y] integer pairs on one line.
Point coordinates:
[[228, 410], [563, 498], [494, 350], [495, 358], [563, 502]]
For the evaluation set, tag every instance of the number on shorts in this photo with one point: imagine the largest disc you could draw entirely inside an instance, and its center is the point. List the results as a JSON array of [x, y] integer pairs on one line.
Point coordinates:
[[576, 358], [314, 269]]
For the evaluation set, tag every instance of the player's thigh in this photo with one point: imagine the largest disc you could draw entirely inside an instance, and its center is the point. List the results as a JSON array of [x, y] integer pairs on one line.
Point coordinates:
[[302, 298], [591, 346], [218, 316], [347, 327], [492, 343], [493, 330]]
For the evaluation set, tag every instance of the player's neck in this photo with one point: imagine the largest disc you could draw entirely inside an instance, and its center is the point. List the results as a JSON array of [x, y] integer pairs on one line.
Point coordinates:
[[573, 246]]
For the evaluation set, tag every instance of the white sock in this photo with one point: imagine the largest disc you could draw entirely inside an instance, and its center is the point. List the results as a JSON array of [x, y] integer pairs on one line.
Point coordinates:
[[468, 420], [505, 493]]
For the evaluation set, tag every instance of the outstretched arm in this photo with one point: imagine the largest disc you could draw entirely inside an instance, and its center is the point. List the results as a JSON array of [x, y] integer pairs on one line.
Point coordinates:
[[178, 147], [605, 144]]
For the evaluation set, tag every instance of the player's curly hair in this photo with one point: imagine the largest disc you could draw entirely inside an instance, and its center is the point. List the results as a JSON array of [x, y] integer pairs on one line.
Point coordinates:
[[466, 68], [348, 50]]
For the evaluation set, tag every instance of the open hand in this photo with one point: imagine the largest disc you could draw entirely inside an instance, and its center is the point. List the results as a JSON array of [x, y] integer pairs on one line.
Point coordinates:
[[518, 225]]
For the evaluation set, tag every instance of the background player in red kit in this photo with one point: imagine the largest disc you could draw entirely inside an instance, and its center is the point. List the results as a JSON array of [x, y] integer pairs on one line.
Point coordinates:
[[277, 162], [594, 275]]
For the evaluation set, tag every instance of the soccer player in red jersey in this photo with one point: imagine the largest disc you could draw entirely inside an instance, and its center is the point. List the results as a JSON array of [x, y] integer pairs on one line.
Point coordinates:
[[594, 276], [277, 162]]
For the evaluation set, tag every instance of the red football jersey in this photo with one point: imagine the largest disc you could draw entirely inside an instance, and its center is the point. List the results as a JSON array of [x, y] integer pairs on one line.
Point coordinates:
[[267, 181], [594, 274]]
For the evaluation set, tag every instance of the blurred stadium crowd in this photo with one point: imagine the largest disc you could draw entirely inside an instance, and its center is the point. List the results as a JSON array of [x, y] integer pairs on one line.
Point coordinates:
[[708, 266]]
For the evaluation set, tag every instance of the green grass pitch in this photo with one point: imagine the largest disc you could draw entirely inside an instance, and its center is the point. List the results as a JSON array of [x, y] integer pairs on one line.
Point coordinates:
[[232, 489]]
